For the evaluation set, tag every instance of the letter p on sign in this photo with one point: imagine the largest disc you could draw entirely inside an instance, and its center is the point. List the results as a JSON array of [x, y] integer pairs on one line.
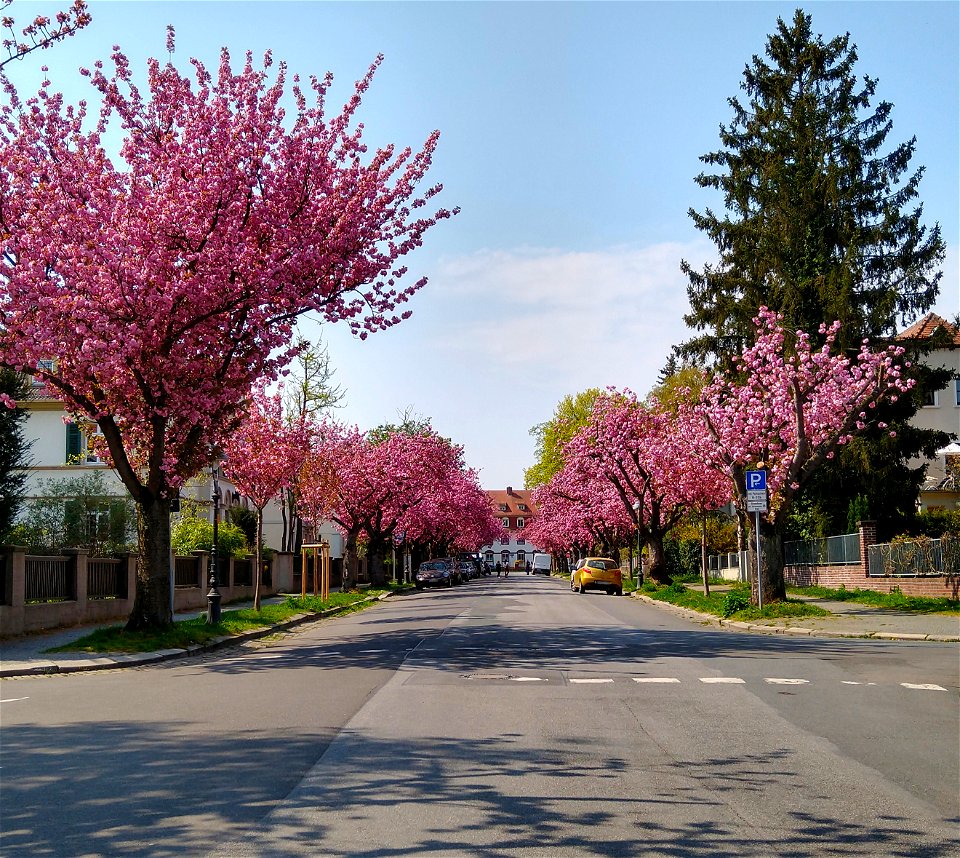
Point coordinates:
[[756, 480]]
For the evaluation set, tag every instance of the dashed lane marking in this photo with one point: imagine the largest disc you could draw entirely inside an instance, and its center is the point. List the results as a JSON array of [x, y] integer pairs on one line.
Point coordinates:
[[590, 681], [779, 681], [527, 679], [722, 680], [917, 687], [655, 679], [14, 699], [851, 682]]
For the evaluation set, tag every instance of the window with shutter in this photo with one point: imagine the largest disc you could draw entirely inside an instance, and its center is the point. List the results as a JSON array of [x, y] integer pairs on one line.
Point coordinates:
[[74, 442]]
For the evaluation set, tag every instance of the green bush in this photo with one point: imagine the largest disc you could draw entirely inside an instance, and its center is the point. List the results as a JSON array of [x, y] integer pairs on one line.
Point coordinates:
[[191, 534], [735, 600], [682, 557]]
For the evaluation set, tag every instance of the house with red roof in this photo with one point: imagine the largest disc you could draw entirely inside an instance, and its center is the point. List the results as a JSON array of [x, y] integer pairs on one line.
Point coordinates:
[[515, 509]]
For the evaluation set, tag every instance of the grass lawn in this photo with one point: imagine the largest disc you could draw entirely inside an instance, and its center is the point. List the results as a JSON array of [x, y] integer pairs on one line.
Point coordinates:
[[895, 600], [196, 631], [732, 604]]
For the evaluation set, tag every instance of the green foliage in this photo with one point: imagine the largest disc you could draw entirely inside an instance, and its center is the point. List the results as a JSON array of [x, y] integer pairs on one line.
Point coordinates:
[[571, 413], [191, 533], [935, 523], [894, 600], [818, 223], [858, 510], [186, 633], [806, 519], [78, 512], [246, 520], [13, 450], [683, 557], [736, 600]]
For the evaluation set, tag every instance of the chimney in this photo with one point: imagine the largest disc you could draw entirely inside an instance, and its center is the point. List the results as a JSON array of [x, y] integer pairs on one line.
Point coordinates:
[[509, 490]]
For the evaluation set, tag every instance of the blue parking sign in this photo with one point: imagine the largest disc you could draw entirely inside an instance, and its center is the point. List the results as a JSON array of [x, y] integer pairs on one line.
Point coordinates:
[[756, 480]]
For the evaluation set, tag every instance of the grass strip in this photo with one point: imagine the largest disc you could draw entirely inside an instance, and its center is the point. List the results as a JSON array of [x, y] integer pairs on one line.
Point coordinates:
[[896, 600], [732, 604], [195, 631]]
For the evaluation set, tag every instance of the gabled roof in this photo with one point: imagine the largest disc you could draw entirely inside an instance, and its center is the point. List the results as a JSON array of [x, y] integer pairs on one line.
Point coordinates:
[[511, 498], [928, 326]]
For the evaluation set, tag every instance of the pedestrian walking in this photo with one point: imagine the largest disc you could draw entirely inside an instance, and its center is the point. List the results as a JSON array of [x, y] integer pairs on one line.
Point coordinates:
[[528, 567], [499, 568]]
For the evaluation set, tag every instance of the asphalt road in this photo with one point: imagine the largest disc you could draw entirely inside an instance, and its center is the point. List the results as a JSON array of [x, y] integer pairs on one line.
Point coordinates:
[[504, 717]]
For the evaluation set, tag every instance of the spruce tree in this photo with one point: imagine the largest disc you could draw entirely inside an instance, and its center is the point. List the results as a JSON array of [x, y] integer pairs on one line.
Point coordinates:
[[819, 223]]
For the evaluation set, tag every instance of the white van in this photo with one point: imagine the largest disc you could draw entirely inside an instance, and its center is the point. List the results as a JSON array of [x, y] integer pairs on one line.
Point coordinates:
[[541, 565]]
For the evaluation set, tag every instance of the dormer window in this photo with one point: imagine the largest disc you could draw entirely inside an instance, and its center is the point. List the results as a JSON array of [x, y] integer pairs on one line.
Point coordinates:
[[522, 507], [503, 507]]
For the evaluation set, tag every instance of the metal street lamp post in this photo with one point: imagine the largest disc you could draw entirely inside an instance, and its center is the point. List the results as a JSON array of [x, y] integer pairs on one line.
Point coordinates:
[[214, 596]]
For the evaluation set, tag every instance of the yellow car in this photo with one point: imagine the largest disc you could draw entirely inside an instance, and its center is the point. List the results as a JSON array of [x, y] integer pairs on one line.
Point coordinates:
[[597, 573]]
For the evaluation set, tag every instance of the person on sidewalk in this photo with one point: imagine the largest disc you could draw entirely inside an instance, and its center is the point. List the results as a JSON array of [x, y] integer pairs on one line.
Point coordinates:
[[499, 568]]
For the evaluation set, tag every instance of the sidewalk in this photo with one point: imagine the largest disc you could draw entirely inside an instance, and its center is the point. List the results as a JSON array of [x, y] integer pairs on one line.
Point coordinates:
[[27, 655], [846, 620]]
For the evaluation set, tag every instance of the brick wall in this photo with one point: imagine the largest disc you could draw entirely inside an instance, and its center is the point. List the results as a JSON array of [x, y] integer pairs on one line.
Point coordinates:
[[855, 576]]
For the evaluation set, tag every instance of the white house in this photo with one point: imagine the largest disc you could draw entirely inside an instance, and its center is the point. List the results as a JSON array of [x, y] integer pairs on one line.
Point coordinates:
[[515, 510], [62, 449], [941, 410]]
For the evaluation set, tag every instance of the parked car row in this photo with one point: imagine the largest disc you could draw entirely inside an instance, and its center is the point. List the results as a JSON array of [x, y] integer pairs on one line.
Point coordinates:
[[447, 571]]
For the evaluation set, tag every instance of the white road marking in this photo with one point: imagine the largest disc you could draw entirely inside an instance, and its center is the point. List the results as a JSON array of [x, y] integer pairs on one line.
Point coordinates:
[[14, 699], [527, 679], [776, 681], [366, 651], [850, 682], [655, 679], [590, 681], [728, 680], [927, 687]]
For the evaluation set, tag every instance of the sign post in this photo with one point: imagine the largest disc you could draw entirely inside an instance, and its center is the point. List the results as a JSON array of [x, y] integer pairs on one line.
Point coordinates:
[[757, 503]]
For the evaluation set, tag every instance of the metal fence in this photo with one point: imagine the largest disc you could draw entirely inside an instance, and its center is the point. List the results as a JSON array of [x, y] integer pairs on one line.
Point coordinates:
[[830, 551], [916, 558], [243, 572], [106, 578], [186, 572], [49, 579]]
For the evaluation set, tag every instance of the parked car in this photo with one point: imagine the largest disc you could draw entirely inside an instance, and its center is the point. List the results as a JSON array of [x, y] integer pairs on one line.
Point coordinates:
[[472, 566], [597, 573], [433, 573]]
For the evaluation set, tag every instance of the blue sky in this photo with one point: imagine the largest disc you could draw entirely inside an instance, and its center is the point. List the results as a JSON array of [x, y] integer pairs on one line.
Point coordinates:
[[571, 135]]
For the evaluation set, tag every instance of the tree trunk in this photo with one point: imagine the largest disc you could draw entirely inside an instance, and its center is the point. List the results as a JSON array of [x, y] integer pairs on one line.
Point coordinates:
[[771, 562], [258, 571], [658, 561], [703, 555], [377, 557], [349, 563], [151, 605]]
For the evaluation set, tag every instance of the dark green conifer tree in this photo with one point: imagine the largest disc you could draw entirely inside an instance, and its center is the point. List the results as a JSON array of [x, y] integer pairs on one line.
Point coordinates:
[[821, 221]]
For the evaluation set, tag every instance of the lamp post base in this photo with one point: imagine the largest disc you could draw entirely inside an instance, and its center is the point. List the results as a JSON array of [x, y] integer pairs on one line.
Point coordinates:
[[213, 607]]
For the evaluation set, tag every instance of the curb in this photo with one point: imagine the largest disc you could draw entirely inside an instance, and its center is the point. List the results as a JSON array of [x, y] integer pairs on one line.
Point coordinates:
[[741, 625], [113, 662]]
